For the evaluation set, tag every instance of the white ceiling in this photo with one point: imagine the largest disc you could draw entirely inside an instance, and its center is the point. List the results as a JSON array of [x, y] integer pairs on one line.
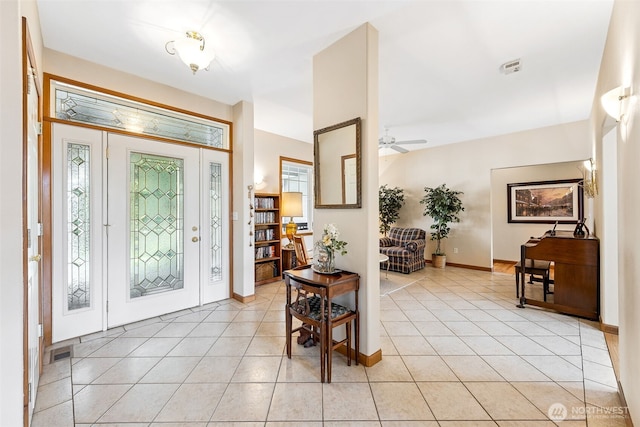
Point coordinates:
[[439, 59]]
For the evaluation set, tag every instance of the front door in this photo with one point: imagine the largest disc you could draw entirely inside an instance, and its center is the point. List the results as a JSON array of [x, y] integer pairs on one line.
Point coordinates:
[[162, 228], [153, 228]]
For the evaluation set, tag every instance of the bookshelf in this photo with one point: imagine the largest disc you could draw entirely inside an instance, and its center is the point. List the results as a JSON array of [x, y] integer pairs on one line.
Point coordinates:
[[267, 240]]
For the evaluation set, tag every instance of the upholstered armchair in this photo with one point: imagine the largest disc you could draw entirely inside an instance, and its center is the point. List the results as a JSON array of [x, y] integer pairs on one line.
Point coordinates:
[[405, 249]]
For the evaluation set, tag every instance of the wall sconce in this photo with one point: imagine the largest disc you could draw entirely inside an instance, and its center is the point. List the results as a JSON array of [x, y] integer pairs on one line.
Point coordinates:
[[259, 182], [191, 50], [291, 206], [614, 102], [589, 184]]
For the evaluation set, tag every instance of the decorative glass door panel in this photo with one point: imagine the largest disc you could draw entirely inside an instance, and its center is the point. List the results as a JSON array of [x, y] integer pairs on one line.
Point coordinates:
[[77, 293], [215, 220], [154, 228], [215, 237], [156, 237], [79, 225]]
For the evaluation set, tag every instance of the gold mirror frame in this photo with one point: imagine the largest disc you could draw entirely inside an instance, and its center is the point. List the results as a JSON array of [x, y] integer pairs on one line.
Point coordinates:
[[334, 187]]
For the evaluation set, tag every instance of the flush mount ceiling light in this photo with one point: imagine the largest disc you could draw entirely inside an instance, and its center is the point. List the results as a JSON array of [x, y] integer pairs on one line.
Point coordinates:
[[191, 50]]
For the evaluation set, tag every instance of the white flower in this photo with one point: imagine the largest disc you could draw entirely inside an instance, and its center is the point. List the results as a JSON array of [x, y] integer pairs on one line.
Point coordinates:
[[330, 240], [331, 230]]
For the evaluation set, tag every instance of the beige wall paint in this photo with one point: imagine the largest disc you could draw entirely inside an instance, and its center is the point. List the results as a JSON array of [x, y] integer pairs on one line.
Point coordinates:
[[466, 167], [243, 251], [268, 149], [83, 71], [621, 67], [11, 258], [11, 228], [345, 86], [507, 237]]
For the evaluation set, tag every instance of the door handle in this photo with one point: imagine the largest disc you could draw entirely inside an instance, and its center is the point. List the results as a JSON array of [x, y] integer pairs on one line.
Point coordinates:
[[35, 258], [195, 239]]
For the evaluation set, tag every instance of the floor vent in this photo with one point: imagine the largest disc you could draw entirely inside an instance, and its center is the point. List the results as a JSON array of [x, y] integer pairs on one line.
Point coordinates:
[[60, 353]]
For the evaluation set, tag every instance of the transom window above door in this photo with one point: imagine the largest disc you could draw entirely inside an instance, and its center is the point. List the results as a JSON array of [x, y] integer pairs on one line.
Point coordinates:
[[81, 105]]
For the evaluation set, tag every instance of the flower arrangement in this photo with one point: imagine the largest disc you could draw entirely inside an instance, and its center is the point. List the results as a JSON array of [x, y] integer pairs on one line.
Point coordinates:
[[326, 248], [330, 235]]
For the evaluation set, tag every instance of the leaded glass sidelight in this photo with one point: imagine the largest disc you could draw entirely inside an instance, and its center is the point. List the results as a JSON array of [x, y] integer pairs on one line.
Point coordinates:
[[215, 218], [78, 226], [157, 220]]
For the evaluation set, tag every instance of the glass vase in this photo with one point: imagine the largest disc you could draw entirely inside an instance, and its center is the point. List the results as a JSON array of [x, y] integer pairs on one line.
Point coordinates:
[[325, 259]]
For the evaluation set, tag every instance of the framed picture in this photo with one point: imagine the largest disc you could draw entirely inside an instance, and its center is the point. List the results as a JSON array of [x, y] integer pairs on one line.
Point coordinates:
[[546, 201]]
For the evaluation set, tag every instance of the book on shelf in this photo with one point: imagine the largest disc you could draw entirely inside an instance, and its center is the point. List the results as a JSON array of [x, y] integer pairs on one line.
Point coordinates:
[[265, 252], [265, 235], [265, 217], [264, 202]]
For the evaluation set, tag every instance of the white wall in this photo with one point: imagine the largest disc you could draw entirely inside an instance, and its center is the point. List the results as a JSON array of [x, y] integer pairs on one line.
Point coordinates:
[[507, 237], [63, 65], [621, 67], [243, 255], [268, 149], [345, 86], [11, 227], [466, 167], [11, 284]]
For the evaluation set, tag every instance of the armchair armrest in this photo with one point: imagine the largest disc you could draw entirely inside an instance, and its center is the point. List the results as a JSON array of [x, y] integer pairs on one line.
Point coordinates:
[[415, 245], [385, 242]]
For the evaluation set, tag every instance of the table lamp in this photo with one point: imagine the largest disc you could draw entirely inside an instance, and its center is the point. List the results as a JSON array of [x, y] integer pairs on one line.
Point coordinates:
[[291, 206]]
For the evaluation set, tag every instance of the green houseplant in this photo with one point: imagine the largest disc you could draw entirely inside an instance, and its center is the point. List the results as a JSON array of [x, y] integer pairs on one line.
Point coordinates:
[[390, 200], [443, 205]]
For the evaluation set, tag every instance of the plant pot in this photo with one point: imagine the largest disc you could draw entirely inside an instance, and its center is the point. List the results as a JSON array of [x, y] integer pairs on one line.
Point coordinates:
[[438, 261]]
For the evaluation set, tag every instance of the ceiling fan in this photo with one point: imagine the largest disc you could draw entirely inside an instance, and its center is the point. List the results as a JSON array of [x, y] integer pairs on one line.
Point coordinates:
[[388, 141]]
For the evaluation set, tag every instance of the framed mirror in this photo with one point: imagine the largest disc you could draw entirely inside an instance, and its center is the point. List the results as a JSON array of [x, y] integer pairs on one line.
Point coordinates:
[[338, 166]]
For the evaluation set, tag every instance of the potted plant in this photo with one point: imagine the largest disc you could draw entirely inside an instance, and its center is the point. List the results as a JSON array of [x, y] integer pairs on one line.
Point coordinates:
[[443, 205], [390, 200]]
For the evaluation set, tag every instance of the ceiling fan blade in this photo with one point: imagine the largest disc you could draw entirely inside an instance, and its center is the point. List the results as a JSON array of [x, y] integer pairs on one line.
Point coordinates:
[[399, 149], [413, 141]]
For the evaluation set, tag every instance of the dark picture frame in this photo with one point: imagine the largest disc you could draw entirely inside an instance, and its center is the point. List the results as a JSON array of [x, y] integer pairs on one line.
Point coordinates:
[[546, 202]]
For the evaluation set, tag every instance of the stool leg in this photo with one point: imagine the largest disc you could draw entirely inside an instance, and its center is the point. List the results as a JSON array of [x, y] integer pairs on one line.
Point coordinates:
[[329, 350], [348, 324], [357, 328], [323, 351]]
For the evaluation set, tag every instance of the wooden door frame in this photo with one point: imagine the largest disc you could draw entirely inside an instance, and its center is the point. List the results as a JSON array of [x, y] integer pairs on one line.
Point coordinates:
[[46, 191]]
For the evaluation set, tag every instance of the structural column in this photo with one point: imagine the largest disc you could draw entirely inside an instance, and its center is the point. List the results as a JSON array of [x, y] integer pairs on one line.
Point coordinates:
[[345, 86]]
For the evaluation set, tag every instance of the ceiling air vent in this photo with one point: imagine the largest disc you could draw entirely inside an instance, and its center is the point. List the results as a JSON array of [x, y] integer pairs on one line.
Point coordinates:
[[511, 66]]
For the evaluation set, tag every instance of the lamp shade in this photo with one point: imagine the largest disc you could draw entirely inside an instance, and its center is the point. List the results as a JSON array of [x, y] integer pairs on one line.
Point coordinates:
[[192, 51], [291, 204]]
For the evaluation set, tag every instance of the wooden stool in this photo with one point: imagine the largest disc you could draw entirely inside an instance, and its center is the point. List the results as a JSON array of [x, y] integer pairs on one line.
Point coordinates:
[[318, 321], [534, 268]]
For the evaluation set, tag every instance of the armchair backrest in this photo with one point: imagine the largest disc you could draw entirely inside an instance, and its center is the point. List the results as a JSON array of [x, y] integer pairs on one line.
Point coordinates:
[[399, 235]]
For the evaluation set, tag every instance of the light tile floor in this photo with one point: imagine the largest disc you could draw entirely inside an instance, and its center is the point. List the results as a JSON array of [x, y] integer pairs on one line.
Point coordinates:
[[456, 352]]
